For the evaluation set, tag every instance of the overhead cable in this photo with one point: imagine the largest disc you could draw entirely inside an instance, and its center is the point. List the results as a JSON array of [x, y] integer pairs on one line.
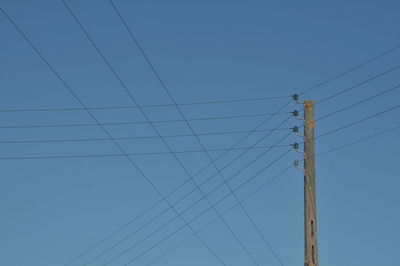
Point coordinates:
[[102, 127]]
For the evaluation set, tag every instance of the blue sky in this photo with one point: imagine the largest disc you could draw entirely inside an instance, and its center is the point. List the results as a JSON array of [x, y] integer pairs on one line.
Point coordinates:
[[54, 209]]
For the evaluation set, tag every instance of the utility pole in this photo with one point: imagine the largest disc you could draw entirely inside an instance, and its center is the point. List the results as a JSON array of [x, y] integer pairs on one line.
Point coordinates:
[[310, 215]]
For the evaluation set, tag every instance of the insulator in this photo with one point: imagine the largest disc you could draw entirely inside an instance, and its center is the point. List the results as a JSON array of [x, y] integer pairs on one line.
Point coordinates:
[[295, 97], [295, 129], [295, 113]]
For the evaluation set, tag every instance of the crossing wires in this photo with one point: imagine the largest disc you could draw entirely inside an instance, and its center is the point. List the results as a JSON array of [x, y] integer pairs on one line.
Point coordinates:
[[193, 134]]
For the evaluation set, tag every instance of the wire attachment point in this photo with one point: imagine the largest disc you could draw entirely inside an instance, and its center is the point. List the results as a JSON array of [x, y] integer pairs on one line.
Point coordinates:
[[296, 165], [295, 145], [295, 98], [295, 113]]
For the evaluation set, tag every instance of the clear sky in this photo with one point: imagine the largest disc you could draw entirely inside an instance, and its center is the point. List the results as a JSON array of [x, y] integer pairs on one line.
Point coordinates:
[[52, 210]]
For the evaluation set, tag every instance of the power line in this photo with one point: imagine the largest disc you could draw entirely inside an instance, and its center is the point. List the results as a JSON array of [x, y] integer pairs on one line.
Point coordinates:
[[217, 202], [185, 182], [105, 60], [358, 121], [259, 188], [359, 102], [139, 46], [354, 142], [364, 100], [143, 122], [355, 86], [356, 103], [182, 197], [358, 141], [295, 96], [212, 101], [372, 97], [206, 102], [350, 106], [102, 127], [137, 154], [181, 185], [141, 137], [190, 206], [144, 106], [83, 109], [351, 69], [266, 184], [358, 84]]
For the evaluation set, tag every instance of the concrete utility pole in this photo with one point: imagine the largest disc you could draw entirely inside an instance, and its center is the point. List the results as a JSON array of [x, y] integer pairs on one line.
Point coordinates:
[[310, 215]]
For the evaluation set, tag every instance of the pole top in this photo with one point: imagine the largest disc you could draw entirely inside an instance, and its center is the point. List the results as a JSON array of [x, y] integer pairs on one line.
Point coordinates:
[[308, 103]]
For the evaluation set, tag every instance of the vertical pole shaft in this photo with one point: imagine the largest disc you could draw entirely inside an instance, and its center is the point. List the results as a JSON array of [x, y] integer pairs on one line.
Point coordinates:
[[310, 215]]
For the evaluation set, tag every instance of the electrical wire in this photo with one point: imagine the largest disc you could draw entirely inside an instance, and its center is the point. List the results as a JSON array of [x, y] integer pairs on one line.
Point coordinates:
[[358, 121], [259, 188], [355, 104], [177, 159], [186, 195], [303, 92], [347, 107], [353, 143], [144, 106], [358, 84], [177, 188], [355, 122], [142, 122], [190, 206], [102, 127], [84, 109], [369, 98], [358, 103], [178, 108], [204, 211], [351, 69], [212, 101], [138, 154], [358, 141], [265, 185], [139, 137]]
